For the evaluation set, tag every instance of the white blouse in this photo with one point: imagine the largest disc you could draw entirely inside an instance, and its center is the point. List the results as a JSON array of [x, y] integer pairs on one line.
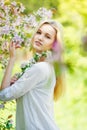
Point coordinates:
[[34, 95]]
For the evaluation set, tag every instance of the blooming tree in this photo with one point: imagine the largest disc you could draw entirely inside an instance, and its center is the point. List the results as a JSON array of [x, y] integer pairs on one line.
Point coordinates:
[[16, 26]]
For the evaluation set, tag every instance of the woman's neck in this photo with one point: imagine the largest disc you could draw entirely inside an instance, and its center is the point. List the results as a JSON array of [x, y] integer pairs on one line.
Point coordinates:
[[41, 56]]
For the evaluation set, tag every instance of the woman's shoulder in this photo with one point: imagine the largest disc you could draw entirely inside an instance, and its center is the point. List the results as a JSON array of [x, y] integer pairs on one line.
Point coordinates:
[[43, 64], [40, 67], [44, 67]]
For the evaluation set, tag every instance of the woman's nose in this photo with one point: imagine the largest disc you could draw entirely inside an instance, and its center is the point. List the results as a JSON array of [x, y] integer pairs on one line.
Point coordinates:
[[40, 37]]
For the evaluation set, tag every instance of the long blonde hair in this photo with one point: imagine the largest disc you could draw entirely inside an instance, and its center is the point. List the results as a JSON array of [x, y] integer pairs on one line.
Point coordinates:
[[56, 58]]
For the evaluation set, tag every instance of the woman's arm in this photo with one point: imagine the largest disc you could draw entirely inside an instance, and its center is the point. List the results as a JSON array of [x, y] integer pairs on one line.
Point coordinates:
[[7, 76], [25, 83]]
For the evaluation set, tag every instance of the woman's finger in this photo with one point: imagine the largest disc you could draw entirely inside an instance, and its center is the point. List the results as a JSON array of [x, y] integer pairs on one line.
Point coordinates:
[[18, 46], [12, 50], [13, 80]]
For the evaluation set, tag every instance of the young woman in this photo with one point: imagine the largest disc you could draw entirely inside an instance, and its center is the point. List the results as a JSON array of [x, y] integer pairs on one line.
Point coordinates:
[[35, 90]]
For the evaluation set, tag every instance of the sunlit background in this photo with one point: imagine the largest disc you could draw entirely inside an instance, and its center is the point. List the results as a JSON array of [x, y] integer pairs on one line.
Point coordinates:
[[70, 110]]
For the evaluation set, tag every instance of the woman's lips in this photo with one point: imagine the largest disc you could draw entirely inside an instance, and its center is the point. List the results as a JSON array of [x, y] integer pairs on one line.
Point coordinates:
[[38, 43]]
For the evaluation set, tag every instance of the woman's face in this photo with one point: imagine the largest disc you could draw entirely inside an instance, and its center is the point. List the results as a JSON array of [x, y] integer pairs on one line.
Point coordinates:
[[44, 38]]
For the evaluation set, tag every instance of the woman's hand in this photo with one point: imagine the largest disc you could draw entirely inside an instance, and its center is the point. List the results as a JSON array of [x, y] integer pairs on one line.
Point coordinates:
[[12, 49], [13, 79], [7, 76]]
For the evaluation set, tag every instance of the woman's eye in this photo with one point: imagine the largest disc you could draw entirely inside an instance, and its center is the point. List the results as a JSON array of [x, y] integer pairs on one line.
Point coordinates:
[[38, 32], [48, 37]]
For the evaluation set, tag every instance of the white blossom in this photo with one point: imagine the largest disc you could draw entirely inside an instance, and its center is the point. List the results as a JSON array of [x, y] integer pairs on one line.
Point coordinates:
[[16, 27], [44, 13], [18, 21], [14, 3], [22, 8], [18, 39], [23, 65], [5, 62], [27, 42], [5, 30], [4, 46], [2, 15], [1, 3], [10, 121], [31, 21]]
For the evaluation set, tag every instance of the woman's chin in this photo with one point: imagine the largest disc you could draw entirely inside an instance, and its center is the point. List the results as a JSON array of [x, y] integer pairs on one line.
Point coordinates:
[[37, 48]]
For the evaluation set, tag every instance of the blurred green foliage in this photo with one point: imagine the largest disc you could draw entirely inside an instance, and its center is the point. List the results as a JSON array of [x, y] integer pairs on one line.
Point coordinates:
[[33, 5], [70, 110]]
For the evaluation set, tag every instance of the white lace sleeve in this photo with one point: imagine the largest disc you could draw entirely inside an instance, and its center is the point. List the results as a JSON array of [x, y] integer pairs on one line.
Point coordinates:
[[28, 81]]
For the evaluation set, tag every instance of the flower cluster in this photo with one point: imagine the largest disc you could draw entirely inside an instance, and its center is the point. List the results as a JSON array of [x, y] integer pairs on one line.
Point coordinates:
[[36, 58], [44, 13], [16, 26]]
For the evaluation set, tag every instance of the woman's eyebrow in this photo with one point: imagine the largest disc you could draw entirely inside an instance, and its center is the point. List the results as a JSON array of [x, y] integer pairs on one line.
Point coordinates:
[[39, 29], [49, 34], [46, 32]]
